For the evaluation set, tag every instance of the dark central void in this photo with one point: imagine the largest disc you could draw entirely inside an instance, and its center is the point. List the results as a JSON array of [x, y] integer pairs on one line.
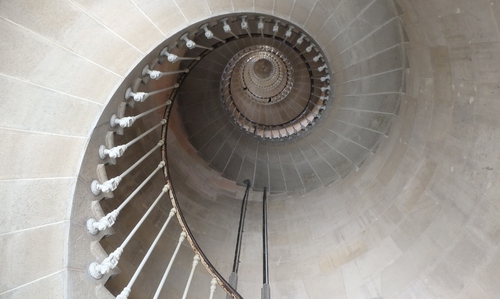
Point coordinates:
[[263, 68], [233, 117]]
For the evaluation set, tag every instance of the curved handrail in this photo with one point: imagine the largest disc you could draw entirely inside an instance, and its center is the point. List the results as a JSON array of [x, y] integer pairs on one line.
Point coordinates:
[[173, 198], [182, 221]]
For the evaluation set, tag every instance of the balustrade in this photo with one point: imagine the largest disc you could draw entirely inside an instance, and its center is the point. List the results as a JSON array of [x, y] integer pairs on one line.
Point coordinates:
[[182, 237], [156, 75], [312, 111], [191, 44], [126, 122], [111, 184], [244, 24], [227, 28], [126, 291], [142, 96], [98, 270], [118, 151], [289, 32], [94, 226], [209, 34], [175, 58], [276, 27]]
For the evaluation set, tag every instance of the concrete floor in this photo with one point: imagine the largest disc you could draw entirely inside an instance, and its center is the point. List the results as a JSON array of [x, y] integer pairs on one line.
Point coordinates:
[[419, 219]]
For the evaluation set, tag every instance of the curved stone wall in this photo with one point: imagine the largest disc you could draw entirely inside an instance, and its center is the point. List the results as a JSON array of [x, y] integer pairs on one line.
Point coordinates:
[[419, 218]]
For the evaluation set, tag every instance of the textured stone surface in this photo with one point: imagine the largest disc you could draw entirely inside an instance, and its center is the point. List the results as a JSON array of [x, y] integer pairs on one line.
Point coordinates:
[[417, 220]]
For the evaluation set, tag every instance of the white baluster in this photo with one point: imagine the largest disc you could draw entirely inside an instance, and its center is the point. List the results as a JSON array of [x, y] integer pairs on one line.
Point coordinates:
[[94, 226], [196, 259], [213, 286], [323, 67], [126, 291], [300, 39], [309, 48], [97, 270], [142, 96], [191, 44], [260, 25], [244, 24], [164, 277], [209, 34], [112, 184], [156, 75], [126, 122], [323, 89], [289, 32], [227, 28], [276, 27], [118, 151], [174, 58], [316, 58]]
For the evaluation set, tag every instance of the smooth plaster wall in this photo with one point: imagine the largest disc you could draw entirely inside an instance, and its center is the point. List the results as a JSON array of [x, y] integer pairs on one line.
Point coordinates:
[[420, 219]]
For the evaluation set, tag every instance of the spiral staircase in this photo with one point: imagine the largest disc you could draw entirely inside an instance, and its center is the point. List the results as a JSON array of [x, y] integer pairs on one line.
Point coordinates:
[[248, 89], [382, 176]]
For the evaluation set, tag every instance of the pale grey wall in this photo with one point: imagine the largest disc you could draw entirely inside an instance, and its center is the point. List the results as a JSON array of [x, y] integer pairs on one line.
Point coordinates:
[[418, 220]]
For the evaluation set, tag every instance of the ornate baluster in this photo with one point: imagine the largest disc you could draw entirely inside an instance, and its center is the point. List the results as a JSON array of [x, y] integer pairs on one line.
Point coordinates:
[[213, 286], [142, 96], [323, 79], [289, 32], [164, 277], [97, 270], [118, 151], [276, 27], [128, 121], [316, 58], [323, 88], [111, 184], [156, 75], [191, 44], [126, 291], [94, 226], [174, 58], [209, 34], [310, 48], [227, 28], [244, 25], [196, 259], [324, 67], [299, 40], [260, 25]]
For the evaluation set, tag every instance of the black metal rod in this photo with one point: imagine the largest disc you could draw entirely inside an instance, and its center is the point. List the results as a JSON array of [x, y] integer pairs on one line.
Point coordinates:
[[241, 226], [264, 238]]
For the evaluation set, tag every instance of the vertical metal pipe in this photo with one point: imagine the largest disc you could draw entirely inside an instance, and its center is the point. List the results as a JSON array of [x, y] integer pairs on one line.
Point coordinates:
[[264, 239], [233, 278], [241, 226], [266, 290]]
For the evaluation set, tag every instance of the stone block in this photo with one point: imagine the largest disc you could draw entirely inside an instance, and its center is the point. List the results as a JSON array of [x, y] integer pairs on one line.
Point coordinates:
[[407, 268], [28, 255], [52, 286], [71, 28], [137, 30], [33, 57], [155, 11], [33, 203]]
